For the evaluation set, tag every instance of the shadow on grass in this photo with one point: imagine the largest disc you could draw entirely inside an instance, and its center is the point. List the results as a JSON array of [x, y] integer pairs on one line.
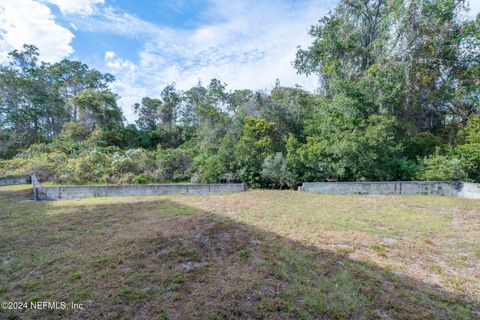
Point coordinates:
[[158, 259]]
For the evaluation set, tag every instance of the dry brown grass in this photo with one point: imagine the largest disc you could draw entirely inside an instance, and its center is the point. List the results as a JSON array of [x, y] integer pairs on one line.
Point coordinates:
[[258, 254]]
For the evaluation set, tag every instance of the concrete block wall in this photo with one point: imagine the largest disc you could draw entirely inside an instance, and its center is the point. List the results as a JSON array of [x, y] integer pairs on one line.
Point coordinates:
[[470, 191], [441, 188], [77, 192], [13, 180]]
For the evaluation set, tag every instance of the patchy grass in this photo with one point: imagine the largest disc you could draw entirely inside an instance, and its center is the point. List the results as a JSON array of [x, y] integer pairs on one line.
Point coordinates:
[[380, 249], [258, 254]]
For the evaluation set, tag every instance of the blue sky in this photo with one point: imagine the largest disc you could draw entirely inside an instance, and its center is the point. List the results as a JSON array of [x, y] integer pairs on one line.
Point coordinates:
[[149, 44]]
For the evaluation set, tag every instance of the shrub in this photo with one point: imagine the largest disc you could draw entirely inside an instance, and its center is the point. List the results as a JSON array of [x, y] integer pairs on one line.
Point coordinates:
[[422, 144], [90, 166], [255, 145], [469, 157], [469, 151], [459, 163], [210, 168], [132, 160], [441, 167], [143, 178], [126, 178], [350, 150], [173, 164], [276, 172]]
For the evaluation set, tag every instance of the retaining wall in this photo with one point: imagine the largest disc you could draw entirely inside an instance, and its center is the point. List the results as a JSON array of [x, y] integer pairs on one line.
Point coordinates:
[[12, 180], [441, 188], [470, 191], [76, 192]]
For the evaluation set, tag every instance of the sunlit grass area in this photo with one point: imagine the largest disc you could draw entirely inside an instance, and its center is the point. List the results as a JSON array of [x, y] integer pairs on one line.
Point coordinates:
[[257, 254]]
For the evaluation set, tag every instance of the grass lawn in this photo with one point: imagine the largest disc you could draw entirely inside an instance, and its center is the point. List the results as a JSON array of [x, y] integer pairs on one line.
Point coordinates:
[[257, 254]]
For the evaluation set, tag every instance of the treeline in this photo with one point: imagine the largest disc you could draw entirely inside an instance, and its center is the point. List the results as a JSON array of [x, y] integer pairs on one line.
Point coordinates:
[[399, 100]]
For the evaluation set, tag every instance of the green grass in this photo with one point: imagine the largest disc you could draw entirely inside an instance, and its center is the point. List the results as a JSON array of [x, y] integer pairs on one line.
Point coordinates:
[[257, 254], [319, 288], [380, 249], [76, 276]]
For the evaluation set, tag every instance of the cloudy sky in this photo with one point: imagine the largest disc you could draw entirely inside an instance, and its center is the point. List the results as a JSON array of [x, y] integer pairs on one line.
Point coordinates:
[[148, 44]]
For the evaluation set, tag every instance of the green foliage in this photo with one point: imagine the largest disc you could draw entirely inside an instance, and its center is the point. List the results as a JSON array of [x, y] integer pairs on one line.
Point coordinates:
[[173, 164], [422, 144], [255, 145], [459, 163], [441, 167], [276, 173], [143, 178], [469, 155], [210, 168], [416, 59], [98, 109], [69, 161], [37, 99], [148, 113], [398, 100], [471, 133], [132, 160], [220, 166], [346, 147], [91, 165]]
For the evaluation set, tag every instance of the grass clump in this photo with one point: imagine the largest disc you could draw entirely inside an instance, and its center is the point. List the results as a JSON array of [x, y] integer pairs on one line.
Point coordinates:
[[75, 276], [380, 249]]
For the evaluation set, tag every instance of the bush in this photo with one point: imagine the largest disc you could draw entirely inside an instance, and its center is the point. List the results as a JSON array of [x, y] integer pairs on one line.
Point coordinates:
[[46, 166], [217, 165], [143, 178], [460, 163], [255, 145], [210, 169], [173, 165], [132, 160], [469, 157], [363, 150], [441, 167], [276, 172], [126, 178], [91, 166], [469, 151], [422, 144]]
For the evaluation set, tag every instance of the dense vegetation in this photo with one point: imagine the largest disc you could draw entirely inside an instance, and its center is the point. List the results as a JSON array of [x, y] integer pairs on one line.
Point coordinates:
[[399, 99]]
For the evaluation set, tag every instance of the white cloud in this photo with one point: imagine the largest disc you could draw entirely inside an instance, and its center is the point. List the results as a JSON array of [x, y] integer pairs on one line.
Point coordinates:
[[248, 46], [118, 64], [127, 84], [84, 7], [109, 55], [117, 21], [30, 22]]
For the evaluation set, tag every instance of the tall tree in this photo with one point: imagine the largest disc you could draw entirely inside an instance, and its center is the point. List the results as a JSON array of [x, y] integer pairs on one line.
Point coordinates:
[[148, 112], [37, 98], [169, 107], [98, 109], [72, 77], [415, 59]]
